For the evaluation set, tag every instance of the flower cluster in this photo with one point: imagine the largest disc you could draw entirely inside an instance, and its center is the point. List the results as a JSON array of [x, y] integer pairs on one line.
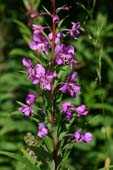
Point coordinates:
[[71, 87], [68, 110], [82, 137], [65, 55], [47, 78], [39, 42], [38, 74]]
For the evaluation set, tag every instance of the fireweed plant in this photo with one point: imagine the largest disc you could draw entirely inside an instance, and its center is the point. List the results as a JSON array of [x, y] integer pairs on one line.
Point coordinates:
[[56, 117]]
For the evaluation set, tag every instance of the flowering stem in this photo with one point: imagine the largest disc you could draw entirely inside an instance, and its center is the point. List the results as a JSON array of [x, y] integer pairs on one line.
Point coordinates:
[[52, 64], [53, 32], [53, 42]]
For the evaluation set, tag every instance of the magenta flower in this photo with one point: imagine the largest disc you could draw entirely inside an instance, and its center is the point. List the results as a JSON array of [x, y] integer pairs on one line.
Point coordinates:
[[86, 137], [74, 30], [42, 130], [65, 55], [35, 15], [39, 43], [44, 77], [26, 110], [67, 109], [59, 35], [82, 137], [38, 74], [40, 71], [71, 86], [72, 77], [30, 70], [55, 19], [81, 110], [30, 99], [77, 136], [31, 75], [37, 27], [26, 62]]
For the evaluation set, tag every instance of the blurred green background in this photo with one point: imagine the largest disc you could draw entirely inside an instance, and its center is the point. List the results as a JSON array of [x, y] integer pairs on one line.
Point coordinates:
[[94, 51]]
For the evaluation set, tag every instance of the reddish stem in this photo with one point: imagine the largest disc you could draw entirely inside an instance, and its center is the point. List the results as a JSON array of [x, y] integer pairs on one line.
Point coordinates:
[[53, 33], [52, 64]]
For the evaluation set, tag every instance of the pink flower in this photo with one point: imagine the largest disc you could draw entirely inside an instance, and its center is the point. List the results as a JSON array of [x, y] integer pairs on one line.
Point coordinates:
[[39, 43], [67, 109], [30, 98], [65, 55], [26, 62], [37, 27], [82, 137], [59, 35], [35, 15], [81, 110], [26, 110], [55, 19], [38, 74], [71, 86], [74, 30], [42, 130], [86, 137]]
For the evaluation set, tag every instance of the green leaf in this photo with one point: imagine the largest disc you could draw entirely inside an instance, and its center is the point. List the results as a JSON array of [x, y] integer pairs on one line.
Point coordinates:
[[18, 51], [49, 144], [45, 9], [24, 28], [11, 155]]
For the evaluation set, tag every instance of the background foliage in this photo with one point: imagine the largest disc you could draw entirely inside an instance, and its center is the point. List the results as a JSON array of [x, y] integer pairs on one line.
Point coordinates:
[[94, 52]]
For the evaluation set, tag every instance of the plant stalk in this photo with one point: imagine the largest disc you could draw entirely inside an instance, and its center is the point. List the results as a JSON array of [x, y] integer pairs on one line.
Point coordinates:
[[53, 33]]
